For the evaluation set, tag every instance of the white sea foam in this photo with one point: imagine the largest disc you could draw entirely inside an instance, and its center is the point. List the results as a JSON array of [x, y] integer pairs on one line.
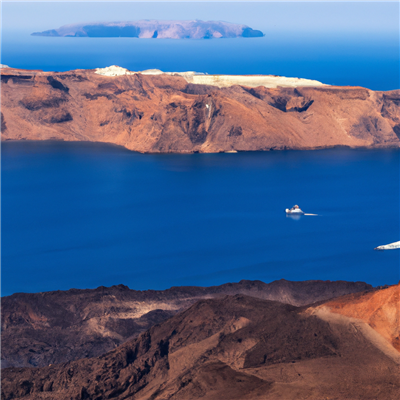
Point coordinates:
[[390, 246]]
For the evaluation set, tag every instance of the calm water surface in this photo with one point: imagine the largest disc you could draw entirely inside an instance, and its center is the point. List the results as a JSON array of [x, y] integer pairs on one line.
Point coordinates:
[[370, 61], [83, 215]]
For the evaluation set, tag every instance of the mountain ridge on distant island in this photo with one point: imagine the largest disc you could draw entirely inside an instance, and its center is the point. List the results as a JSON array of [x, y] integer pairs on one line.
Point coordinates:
[[155, 29]]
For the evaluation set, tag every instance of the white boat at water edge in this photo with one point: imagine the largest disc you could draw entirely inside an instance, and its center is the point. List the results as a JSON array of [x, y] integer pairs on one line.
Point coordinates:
[[390, 246], [295, 210]]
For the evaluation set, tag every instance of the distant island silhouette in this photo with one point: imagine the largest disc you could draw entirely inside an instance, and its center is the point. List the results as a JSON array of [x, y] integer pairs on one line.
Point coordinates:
[[154, 29]]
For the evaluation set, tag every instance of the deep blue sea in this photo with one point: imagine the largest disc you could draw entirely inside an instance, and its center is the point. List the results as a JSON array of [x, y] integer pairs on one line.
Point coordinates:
[[81, 215], [369, 60]]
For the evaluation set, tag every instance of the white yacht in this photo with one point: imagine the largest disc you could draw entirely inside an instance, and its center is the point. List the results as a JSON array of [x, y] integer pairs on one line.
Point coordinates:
[[295, 210]]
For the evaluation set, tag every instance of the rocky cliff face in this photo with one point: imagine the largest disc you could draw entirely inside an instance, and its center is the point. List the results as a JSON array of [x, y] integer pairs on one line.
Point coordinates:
[[47, 328], [166, 113], [234, 347]]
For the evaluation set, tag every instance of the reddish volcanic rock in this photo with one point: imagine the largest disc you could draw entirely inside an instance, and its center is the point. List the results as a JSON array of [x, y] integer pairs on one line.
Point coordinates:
[[165, 113], [379, 309]]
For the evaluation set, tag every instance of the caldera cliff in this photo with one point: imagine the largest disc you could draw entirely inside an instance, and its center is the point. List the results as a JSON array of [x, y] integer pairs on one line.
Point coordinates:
[[186, 113]]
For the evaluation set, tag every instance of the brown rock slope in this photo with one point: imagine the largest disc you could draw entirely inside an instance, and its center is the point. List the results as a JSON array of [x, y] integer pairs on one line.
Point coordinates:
[[165, 113], [47, 328], [380, 310], [235, 347]]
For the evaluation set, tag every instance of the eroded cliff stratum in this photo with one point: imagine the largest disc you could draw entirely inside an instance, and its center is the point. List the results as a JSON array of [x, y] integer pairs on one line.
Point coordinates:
[[186, 113]]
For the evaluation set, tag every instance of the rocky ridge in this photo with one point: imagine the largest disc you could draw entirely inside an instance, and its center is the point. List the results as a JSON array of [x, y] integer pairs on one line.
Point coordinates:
[[234, 347], [161, 113], [39, 329]]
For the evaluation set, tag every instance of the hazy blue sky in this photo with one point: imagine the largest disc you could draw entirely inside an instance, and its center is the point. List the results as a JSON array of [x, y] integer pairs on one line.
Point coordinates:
[[333, 17]]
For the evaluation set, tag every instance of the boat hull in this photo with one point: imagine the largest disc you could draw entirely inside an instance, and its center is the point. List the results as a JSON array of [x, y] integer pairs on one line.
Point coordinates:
[[295, 212]]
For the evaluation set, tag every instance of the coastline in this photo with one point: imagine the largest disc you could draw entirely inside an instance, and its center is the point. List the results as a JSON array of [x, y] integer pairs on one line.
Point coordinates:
[[119, 146]]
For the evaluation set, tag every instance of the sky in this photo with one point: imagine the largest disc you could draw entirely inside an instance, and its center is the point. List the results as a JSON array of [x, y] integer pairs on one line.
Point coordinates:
[[303, 17]]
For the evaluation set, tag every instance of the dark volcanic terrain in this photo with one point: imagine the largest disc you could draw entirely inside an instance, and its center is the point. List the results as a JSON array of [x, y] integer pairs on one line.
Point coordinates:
[[166, 113], [54, 327], [239, 347]]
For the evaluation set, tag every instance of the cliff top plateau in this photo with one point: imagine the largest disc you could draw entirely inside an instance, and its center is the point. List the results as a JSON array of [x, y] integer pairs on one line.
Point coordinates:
[[240, 347], [268, 81], [154, 29], [156, 112]]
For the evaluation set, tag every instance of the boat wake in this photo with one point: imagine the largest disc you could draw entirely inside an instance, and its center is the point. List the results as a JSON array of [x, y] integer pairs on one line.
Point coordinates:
[[390, 246]]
